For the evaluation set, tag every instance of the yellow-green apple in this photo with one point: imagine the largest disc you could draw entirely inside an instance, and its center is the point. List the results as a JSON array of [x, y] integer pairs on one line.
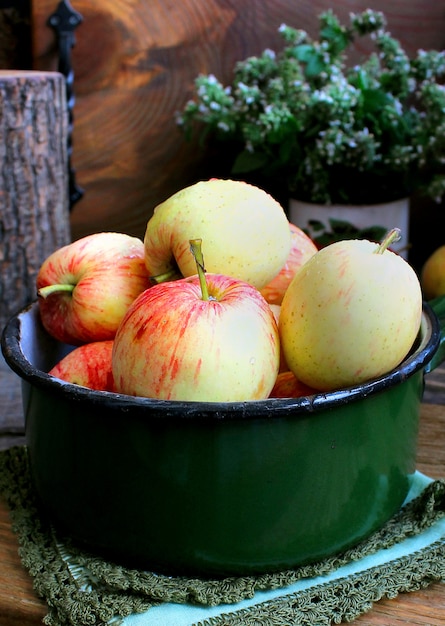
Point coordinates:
[[207, 337], [88, 365], [287, 385], [432, 276], [86, 287], [246, 232], [350, 314], [302, 249]]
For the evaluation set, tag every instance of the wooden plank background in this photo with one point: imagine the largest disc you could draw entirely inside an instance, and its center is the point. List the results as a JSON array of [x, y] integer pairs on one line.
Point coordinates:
[[134, 65]]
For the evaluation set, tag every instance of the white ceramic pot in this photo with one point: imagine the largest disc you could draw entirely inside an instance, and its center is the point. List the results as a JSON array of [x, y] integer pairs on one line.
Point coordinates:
[[387, 215]]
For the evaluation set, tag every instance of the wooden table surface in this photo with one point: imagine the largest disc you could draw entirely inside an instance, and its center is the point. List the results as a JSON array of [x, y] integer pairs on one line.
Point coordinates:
[[19, 605]]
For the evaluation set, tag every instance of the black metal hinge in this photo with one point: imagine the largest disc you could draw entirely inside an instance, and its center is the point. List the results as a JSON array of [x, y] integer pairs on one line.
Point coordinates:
[[64, 21]]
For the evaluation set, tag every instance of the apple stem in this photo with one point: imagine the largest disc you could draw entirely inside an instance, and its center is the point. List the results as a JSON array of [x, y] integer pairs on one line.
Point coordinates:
[[44, 292], [172, 274], [196, 250], [391, 236]]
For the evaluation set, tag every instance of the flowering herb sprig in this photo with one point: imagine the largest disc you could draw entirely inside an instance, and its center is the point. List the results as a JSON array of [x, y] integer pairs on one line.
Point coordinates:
[[372, 132]]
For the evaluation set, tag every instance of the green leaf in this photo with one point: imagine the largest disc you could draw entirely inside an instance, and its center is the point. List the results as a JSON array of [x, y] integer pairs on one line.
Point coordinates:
[[287, 146], [338, 230], [362, 82], [337, 38], [315, 65], [248, 162], [374, 99], [438, 306], [316, 225], [311, 57], [304, 52]]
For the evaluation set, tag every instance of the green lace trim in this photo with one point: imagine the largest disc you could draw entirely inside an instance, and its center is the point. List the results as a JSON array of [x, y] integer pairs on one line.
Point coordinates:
[[81, 589]]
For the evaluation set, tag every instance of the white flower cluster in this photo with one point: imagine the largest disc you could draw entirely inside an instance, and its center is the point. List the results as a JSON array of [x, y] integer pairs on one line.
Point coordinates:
[[331, 130]]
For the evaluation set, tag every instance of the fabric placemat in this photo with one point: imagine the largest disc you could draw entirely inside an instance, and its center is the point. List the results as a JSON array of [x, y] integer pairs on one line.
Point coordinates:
[[80, 589]]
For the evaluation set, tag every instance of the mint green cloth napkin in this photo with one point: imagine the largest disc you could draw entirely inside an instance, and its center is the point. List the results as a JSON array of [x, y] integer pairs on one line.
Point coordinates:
[[81, 589]]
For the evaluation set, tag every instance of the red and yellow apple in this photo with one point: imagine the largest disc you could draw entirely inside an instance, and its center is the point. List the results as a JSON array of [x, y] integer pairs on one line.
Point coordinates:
[[86, 287], [246, 232], [302, 249], [350, 314], [287, 385], [88, 365], [276, 308], [207, 338]]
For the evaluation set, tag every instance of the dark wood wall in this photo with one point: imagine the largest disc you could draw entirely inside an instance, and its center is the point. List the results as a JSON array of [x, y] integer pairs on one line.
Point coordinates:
[[134, 64], [15, 34]]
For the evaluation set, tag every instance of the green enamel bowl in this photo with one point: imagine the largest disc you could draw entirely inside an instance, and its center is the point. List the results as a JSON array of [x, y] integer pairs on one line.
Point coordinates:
[[218, 489]]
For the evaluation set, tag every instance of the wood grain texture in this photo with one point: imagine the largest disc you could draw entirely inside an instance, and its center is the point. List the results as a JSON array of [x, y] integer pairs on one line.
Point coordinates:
[[19, 605], [34, 218], [134, 65]]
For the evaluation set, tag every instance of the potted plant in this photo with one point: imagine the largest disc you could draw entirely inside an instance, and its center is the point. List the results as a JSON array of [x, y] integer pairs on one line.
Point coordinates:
[[330, 131]]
